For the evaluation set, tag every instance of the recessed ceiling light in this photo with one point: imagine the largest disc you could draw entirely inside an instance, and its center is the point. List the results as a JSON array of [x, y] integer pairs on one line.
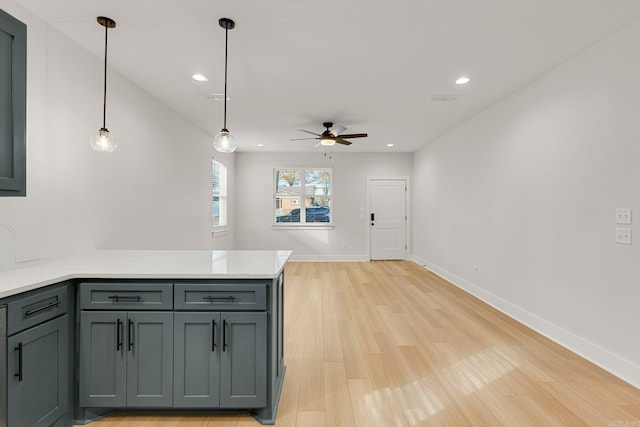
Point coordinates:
[[389, 145], [260, 145], [199, 78], [463, 80]]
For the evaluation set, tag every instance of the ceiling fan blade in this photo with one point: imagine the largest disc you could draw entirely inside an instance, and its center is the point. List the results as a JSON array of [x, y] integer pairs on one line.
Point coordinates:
[[336, 131], [302, 139], [342, 141], [354, 135], [308, 131]]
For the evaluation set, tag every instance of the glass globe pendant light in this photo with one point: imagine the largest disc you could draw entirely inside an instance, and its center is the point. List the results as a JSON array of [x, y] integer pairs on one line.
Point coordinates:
[[224, 142], [103, 140]]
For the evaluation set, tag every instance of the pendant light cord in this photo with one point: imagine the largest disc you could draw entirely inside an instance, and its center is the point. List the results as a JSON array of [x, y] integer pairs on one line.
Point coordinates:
[[226, 43], [104, 98]]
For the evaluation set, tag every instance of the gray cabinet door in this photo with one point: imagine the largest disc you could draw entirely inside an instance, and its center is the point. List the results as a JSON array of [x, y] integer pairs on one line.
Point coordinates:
[[149, 359], [197, 360], [38, 374], [103, 361], [13, 107], [243, 362]]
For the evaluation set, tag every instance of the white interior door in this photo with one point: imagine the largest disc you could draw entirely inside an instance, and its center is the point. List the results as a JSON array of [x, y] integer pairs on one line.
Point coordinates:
[[387, 218]]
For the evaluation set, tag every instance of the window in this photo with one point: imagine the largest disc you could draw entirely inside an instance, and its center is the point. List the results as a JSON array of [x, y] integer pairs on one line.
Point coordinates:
[[302, 196], [219, 196]]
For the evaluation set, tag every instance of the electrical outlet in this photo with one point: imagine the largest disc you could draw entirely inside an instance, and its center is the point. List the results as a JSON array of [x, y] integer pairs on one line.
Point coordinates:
[[623, 216], [623, 235]]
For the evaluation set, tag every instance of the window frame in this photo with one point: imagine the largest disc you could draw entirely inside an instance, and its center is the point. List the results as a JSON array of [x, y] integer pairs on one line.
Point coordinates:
[[301, 199], [223, 197]]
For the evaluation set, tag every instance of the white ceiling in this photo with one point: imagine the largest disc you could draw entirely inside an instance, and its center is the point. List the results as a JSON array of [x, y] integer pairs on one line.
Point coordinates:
[[370, 66]]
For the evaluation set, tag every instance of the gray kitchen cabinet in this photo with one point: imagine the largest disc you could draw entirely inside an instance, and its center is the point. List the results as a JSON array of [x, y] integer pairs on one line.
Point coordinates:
[[13, 106], [37, 363], [103, 365], [198, 345], [38, 375], [150, 359], [220, 360], [197, 360], [243, 364], [126, 359]]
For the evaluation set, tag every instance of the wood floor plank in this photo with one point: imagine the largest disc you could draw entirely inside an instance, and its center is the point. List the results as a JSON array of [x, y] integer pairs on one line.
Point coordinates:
[[337, 399], [311, 390], [310, 419], [392, 344]]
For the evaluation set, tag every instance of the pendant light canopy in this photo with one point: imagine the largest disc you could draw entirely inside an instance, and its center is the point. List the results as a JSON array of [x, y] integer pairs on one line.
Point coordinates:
[[224, 142], [103, 140]]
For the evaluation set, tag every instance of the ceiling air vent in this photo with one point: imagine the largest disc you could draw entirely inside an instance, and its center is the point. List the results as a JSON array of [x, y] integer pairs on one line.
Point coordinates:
[[444, 98], [216, 96]]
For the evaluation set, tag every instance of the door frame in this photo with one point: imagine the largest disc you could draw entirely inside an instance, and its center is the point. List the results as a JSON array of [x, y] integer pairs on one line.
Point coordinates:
[[407, 207]]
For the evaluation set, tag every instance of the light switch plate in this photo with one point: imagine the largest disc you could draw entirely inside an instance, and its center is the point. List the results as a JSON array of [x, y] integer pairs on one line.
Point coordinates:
[[623, 215], [623, 235]]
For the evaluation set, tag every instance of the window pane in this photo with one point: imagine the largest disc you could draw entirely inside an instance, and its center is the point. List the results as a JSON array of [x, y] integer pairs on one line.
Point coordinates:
[[216, 178], [317, 195], [216, 211], [219, 194], [288, 195]]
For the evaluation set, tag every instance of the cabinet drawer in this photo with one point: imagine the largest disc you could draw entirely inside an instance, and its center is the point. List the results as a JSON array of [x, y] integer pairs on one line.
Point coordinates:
[[36, 307], [223, 296], [125, 296]]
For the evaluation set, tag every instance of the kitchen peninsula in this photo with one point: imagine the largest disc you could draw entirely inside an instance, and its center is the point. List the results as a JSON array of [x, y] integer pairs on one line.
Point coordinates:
[[142, 331]]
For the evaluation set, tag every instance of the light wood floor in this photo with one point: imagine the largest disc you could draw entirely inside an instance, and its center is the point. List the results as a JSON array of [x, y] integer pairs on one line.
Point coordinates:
[[390, 344]]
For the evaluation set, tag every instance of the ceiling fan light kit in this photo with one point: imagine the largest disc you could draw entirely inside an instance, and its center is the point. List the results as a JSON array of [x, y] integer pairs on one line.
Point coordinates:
[[331, 136], [327, 142], [224, 142]]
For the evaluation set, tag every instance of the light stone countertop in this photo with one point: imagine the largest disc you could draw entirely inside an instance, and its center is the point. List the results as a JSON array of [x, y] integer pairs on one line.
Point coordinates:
[[143, 264]]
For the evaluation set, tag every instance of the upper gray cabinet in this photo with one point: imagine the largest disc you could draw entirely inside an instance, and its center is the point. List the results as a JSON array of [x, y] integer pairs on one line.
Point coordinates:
[[13, 106]]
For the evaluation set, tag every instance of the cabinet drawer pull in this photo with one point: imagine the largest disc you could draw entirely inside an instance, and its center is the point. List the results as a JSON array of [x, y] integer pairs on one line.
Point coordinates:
[[224, 335], [212, 298], [119, 337], [38, 310], [130, 335], [117, 298], [213, 336], [19, 374]]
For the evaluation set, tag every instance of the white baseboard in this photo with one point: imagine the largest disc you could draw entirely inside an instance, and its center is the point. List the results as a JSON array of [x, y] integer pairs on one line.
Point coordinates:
[[623, 369], [329, 258]]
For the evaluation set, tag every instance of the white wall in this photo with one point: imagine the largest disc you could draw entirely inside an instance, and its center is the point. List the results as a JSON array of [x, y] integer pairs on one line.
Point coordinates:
[[53, 218], [7, 245], [78, 199], [254, 209], [527, 190]]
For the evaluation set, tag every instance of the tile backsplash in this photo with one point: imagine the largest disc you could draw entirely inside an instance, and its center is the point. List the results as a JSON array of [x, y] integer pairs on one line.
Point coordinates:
[[7, 245]]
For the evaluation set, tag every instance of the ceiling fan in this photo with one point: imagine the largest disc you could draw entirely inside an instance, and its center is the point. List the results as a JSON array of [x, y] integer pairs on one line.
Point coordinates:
[[332, 136]]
